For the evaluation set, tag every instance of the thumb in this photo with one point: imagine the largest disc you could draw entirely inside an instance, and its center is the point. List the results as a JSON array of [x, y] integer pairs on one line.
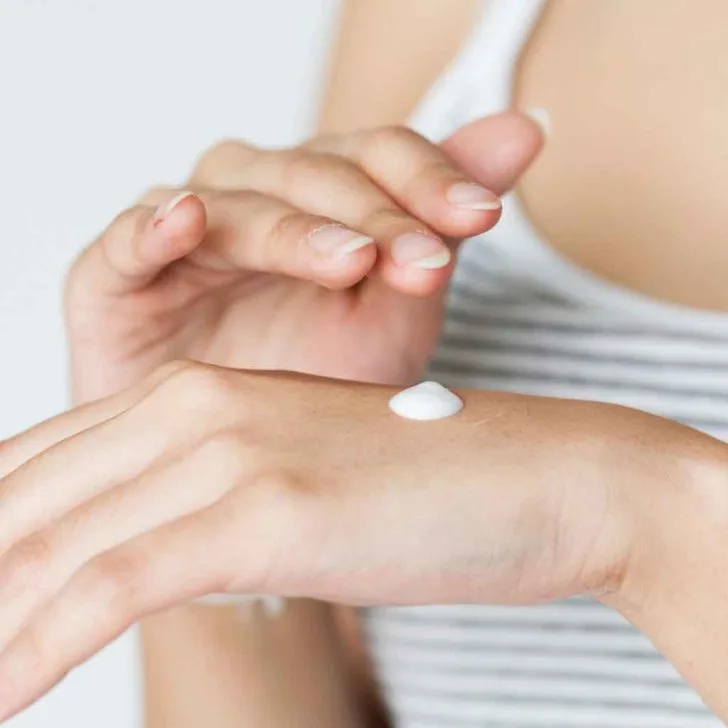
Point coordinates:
[[139, 244], [496, 150]]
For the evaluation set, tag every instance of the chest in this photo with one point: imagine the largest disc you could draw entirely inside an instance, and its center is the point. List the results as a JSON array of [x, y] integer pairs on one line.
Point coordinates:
[[633, 181]]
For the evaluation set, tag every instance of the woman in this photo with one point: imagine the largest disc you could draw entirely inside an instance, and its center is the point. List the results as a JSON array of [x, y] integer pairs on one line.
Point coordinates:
[[518, 500]]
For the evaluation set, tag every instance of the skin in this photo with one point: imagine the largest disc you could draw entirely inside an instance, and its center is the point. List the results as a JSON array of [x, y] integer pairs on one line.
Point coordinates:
[[176, 282], [661, 604], [202, 487], [106, 354], [230, 297], [630, 183]]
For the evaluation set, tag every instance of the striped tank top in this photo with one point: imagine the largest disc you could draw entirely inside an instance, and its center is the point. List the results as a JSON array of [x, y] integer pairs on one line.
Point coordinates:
[[524, 319]]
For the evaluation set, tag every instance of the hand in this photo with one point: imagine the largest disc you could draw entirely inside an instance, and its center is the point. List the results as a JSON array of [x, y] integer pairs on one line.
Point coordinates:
[[206, 480], [309, 259]]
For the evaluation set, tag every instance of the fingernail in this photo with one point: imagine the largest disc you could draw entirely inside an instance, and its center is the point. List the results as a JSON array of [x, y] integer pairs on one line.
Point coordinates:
[[472, 196], [540, 117], [420, 251], [337, 240], [164, 210]]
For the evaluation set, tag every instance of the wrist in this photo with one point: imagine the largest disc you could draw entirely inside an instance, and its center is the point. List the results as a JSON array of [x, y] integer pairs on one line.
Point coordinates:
[[675, 590], [677, 513]]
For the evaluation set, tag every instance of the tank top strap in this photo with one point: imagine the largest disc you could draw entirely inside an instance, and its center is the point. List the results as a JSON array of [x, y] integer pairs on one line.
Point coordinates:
[[479, 82]]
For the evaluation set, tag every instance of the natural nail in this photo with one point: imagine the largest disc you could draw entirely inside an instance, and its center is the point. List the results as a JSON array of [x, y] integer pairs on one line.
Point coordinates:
[[337, 240], [472, 196], [164, 210], [420, 251]]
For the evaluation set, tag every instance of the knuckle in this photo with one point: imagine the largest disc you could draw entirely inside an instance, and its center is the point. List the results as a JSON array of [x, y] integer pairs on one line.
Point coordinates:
[[279, 484], [438, 169], [302, 168], [28, 561], [288, 493], [385, 141], [222, 150], [293, 226], [429, 174], [228, 449], [219, 157], [114, 579], [163, 373], [391, 221], [171, 368], [197, 387]]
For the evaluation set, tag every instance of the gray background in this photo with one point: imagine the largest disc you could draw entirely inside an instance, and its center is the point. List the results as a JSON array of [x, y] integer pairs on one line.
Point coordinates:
[[98, 101]]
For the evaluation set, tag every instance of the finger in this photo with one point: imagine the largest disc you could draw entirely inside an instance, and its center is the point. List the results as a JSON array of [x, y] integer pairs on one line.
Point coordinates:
[[24, 446], [38, 565], [76, 456], [139, 244], [496, 150], [173, 565], [446, 185], [249, 231], [411, 254], [420, 177]]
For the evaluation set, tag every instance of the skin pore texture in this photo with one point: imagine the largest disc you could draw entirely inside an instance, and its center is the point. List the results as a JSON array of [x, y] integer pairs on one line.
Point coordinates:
[[205, 666]]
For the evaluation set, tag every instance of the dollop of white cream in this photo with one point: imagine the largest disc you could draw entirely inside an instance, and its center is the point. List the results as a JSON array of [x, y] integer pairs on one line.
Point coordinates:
[[426, 401]]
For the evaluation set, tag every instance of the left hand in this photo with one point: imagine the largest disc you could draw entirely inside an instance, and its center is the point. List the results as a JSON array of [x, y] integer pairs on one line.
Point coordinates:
[[205, 480]]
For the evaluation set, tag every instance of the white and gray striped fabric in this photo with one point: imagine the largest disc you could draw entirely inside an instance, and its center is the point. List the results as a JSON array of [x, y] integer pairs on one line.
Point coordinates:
[[522, 320]]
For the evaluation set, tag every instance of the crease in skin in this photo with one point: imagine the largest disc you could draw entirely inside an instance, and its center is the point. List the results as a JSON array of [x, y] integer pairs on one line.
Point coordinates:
[[487, 420]]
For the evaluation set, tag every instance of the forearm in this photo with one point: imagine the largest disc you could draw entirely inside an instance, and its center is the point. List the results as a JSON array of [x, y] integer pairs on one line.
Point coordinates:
[[212, 666], [664, 499], [675, 587], [690, 627]]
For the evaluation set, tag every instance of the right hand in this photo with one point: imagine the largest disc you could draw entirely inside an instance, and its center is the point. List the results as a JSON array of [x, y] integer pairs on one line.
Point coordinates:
[[252, 270]]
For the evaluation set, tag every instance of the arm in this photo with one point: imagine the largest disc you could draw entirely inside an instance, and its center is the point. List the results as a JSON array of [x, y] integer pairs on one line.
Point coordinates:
[[517, 499], [210, 666], [673, 593], [673, 585], [386, 56], [203, 665]]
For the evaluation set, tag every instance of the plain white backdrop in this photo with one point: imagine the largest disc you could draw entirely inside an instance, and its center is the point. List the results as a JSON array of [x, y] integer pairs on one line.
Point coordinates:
[[98, 101]]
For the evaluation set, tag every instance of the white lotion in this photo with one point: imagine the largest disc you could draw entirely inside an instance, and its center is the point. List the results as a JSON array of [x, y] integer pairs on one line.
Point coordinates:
[[426, 401]]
